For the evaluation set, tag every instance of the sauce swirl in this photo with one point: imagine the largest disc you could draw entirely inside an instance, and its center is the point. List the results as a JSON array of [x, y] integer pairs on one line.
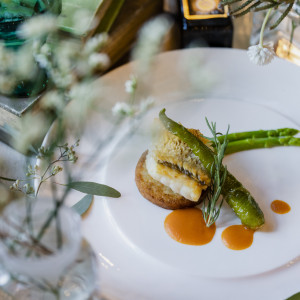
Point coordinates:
[[187, 226]]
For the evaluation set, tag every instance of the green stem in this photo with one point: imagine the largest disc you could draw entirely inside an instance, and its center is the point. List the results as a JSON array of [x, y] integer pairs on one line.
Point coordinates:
[[51, 216], [58, 224], [261, 37], [29, 215], [7, 179], [294, 25]]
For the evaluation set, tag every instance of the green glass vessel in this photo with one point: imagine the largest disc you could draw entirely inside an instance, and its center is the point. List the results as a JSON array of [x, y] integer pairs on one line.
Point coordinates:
[[12, 14]]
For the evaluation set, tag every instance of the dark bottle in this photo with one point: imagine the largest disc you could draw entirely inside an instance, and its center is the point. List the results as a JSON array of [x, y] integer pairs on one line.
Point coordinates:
[[205, 22]]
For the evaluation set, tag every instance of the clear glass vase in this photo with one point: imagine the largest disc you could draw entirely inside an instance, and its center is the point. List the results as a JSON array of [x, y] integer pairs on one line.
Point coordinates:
[[12, 15], [34, 265]]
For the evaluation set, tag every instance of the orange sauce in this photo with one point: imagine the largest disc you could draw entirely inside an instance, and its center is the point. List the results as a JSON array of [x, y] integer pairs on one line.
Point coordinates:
[[187, 226], [237, 237], [280, 207]]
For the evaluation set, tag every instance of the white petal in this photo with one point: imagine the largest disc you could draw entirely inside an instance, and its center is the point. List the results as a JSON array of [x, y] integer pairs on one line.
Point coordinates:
[[261, 55]]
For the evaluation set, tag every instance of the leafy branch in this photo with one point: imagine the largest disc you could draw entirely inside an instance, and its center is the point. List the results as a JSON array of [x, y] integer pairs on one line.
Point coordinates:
[[244, 7]]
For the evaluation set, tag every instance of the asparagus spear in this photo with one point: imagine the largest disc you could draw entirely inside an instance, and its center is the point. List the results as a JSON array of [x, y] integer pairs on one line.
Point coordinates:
[[238, 198], [256, 143], [281, 132]]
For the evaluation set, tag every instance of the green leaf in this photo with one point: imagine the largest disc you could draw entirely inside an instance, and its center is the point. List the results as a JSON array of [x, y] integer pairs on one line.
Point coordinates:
[[294, 297], [94, 188], [83, 205]]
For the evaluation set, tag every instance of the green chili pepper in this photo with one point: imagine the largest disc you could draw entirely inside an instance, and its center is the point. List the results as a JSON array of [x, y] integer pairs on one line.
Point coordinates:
[[238, 198]]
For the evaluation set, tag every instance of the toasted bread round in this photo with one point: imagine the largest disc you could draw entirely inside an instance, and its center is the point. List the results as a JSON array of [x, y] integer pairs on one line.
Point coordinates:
[[156, 192]]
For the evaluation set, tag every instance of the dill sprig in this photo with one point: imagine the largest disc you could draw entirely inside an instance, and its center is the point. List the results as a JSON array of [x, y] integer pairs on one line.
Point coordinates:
[[210, 209]]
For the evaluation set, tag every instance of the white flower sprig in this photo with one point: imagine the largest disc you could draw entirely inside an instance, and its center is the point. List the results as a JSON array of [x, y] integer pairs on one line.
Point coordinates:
[[150, 40], [262, 54], [131, 85], [131, 109], [38, 26]]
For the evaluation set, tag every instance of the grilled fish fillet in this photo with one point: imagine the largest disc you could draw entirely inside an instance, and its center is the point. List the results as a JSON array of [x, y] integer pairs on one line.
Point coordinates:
[[171, 162]]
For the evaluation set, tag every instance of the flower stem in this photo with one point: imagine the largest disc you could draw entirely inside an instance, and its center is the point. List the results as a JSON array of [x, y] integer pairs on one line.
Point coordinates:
[[261, 37], [7, 179], [294, 25]]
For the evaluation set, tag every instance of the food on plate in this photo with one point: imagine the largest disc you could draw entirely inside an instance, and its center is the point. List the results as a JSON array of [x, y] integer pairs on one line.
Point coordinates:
[[237, 237], [235, 194], [169, 175], [280, 207], [187, 226], [241, 141], [179, 176]]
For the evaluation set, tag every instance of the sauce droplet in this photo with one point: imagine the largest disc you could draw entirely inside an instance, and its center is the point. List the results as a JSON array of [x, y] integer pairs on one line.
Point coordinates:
[[187, 226], [280, 207], [237, 237]]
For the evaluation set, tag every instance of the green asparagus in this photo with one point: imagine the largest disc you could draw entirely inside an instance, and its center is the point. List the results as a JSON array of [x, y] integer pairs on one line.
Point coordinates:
[[281, 132], [238, 198], [256, 143]]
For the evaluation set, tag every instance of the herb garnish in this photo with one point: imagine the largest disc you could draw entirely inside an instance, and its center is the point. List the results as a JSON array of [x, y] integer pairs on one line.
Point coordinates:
[[209, 209]]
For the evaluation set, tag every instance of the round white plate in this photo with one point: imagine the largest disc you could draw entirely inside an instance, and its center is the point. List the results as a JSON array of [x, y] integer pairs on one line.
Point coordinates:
[[266, 173], [138, 260]]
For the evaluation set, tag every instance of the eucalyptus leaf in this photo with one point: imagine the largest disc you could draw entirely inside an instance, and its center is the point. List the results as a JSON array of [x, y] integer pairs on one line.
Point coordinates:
[[294, 297], [83, 205], [94, 188]]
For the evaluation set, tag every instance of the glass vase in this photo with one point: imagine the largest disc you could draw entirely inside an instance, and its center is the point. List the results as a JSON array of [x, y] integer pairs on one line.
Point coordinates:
[[57, 264], [12, 46]]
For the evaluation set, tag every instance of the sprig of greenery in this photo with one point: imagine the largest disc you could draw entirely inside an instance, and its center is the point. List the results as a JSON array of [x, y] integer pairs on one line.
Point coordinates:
[[210, 209], [244, 7]]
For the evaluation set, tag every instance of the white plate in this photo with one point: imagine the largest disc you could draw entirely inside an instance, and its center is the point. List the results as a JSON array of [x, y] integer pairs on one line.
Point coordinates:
[[266, 173], [138, 260]]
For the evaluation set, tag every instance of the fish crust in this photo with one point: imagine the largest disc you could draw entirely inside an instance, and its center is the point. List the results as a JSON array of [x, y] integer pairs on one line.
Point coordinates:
[[158, 193]]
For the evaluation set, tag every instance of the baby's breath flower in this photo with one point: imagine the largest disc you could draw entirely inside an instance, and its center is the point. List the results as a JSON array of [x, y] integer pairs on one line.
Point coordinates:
[[72, 155], [56, 169], [123, 109], [26, 67], [38, 26], [146, 104], [62, 80], [15, 186], [131, 85], [98, 61], [28, 189], [42, 152], [53, 100], [95, 43], [31, 170], [261, 55], [42, 54], [150, 39]]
